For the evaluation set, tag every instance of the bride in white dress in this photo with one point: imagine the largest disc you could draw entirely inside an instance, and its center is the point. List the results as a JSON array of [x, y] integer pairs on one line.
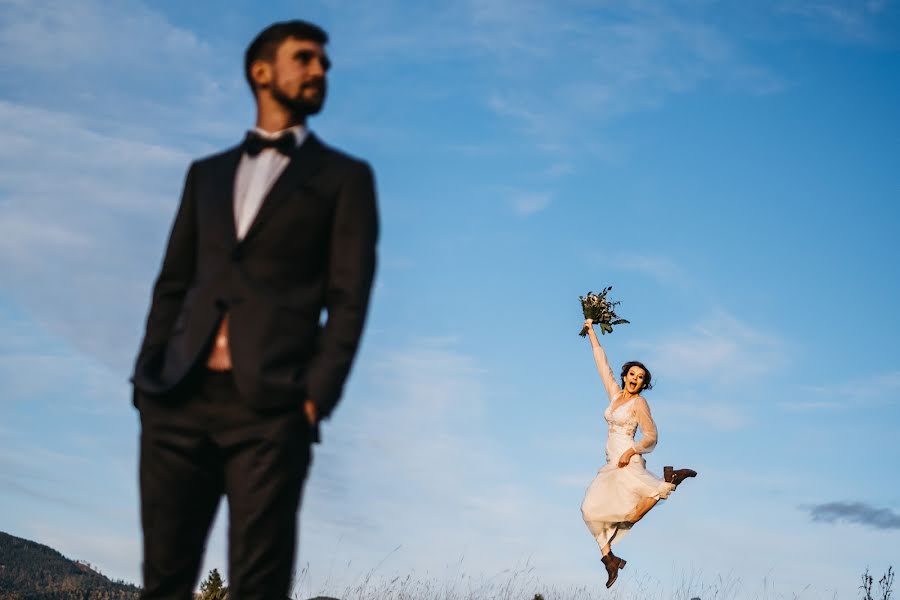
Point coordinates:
[[624, 490]]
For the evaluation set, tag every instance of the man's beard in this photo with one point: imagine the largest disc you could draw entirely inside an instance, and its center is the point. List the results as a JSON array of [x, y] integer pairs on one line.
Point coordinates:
[[300, 106]]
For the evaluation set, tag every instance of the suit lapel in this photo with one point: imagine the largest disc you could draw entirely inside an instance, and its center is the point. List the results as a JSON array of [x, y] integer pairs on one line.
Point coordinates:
[[306, 161], [223, 194]]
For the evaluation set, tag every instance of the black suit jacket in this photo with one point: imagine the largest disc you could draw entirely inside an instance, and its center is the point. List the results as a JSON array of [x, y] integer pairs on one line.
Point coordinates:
[[311, 247]]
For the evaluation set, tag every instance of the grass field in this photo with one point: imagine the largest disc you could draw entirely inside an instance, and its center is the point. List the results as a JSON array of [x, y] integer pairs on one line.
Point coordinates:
[[523, 584]]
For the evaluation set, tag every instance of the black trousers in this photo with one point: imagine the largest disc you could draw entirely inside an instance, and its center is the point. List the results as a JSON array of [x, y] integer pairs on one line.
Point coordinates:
[[197, 444]]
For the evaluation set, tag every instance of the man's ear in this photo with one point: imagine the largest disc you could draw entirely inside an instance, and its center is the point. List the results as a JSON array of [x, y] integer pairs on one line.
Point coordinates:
[[261, 73]]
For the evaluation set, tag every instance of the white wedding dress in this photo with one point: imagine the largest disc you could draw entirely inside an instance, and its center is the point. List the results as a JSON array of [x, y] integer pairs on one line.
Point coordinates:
[[615, 491]]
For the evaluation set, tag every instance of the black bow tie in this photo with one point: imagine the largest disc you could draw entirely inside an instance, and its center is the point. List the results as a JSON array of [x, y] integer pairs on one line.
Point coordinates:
[[255, 143]]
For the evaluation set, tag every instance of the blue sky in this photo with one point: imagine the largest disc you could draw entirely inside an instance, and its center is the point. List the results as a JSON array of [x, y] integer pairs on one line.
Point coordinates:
[[730, 168]]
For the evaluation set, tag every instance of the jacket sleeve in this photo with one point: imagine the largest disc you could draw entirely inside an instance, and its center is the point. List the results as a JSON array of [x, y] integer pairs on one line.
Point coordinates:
[[175, 275], [351, 269]]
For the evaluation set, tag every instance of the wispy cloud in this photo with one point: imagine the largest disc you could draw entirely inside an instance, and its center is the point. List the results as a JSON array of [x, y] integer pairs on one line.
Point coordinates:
[[48, 31], [82, 225], [45, 477], [718, 416], [530, 203], [663, 269], [877, 387], [843, 20], [89, 175], [110, 61], [629, 57], [419, 448], [559, 169], [558, 85], [428, 397], [855, 512], [810, 405], [55, 498], [721, 347]]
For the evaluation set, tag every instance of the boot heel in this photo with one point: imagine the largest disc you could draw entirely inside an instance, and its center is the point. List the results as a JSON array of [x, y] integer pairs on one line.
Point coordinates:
[[622, 562]]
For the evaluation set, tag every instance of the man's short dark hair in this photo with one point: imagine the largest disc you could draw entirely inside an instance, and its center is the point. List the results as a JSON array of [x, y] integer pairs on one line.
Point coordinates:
[[264, 45]]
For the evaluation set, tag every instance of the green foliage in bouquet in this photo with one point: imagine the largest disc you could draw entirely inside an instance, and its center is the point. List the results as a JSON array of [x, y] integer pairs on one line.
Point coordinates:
[[601, 311]]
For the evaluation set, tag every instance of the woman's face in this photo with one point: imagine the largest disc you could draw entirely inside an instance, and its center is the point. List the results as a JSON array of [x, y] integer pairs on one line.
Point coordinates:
[[634, 380]]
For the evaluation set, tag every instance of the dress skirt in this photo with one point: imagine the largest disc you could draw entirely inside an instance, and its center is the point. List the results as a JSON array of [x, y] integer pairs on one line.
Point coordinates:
[[615, 492]]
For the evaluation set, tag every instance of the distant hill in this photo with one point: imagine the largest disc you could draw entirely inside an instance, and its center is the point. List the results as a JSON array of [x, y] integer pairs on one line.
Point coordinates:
[[32, 571]]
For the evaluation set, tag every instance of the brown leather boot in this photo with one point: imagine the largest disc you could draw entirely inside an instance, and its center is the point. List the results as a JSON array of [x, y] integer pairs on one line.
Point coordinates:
[[676, 476], [612, 563]]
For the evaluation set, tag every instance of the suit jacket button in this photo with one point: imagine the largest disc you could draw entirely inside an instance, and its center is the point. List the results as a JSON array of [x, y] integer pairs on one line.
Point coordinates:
[[221, 304]]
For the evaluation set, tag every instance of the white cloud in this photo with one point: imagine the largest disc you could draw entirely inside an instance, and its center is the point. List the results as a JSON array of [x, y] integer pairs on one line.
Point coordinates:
[[631, 57], [121, 68], [559, 169], [82, 225], [720, 348], [89, 180], [53, 35], [65, 166], [535, 123], [558, 73], [414, 442], [719, 416], [524, 202], [661, 268], [530, 203], [809, 406], [842, 20], [874, 388], [20, 235]]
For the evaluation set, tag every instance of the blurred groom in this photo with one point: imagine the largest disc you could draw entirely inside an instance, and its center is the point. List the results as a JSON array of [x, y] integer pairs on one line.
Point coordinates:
[[236, 368]]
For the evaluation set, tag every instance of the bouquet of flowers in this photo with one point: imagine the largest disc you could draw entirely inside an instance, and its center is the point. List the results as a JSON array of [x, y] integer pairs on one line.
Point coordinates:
[[601, 311]]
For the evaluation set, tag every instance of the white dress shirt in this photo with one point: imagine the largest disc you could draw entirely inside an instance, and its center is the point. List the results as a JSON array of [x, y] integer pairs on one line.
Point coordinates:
[[255, 177]]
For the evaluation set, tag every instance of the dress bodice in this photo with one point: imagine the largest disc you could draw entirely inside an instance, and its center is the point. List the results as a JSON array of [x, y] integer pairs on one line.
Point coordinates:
[[628, 416], [622, 420]]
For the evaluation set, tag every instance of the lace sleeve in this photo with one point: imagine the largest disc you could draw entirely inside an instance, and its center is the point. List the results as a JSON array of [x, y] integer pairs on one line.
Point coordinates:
[[648, 428], [606, 374]]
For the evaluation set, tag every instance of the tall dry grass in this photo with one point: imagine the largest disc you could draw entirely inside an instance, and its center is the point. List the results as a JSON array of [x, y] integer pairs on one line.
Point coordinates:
[[522, 583]]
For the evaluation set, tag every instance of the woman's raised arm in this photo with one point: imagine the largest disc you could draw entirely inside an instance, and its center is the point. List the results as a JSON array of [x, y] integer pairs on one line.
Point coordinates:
[[606, 374]]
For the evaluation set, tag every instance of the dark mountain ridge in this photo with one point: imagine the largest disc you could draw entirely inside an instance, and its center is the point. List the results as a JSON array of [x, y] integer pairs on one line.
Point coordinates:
[[32, 571]]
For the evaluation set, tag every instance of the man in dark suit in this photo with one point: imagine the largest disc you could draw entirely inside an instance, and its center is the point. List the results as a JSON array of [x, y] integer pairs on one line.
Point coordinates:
[[236, 369]]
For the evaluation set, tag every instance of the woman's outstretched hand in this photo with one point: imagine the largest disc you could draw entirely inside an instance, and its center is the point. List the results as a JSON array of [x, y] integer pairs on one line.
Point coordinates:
[[626, 457]]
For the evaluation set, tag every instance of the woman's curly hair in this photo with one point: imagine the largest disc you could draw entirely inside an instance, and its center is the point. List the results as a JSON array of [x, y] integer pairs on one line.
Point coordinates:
[[647, 377]]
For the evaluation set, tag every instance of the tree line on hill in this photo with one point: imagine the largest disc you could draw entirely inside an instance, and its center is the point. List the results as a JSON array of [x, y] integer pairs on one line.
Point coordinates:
[[32, 571]]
